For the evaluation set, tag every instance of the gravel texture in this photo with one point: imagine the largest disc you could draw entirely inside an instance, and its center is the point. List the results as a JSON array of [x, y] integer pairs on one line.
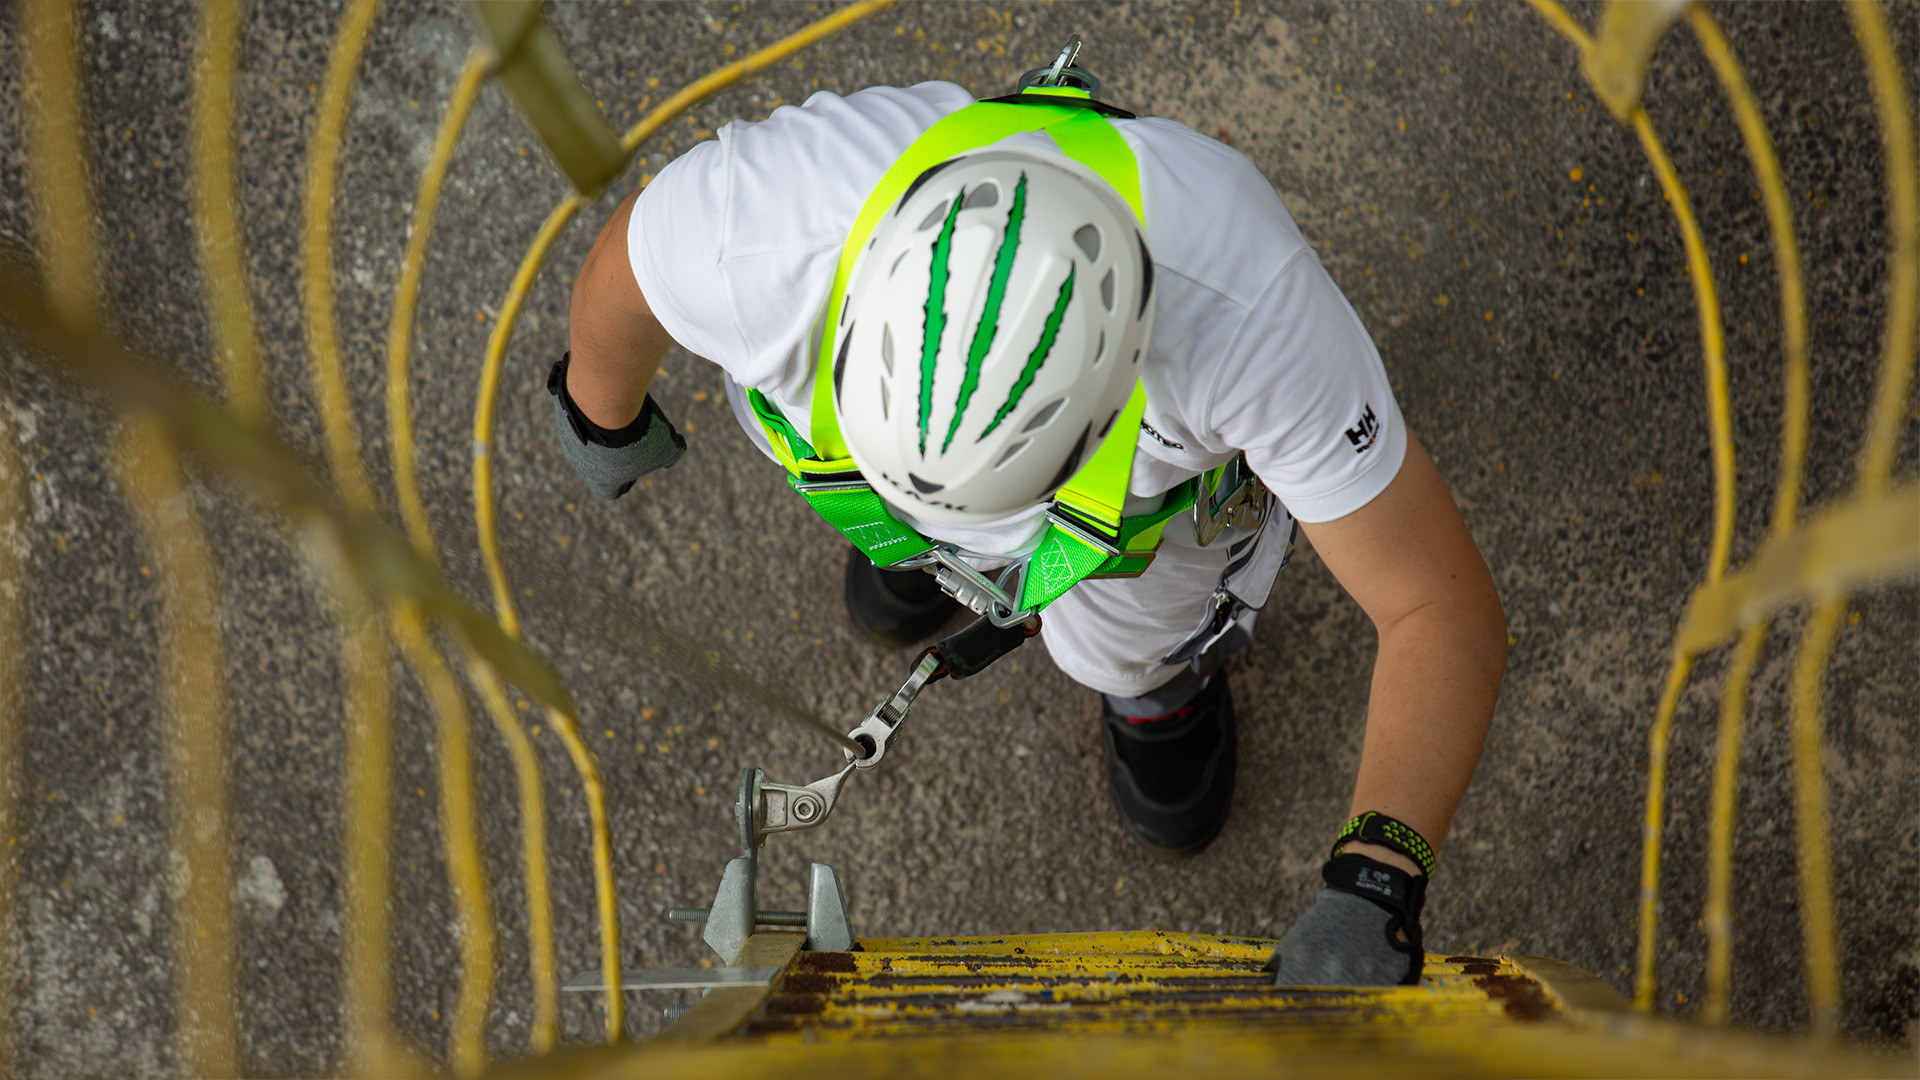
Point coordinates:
[[1502, 238]]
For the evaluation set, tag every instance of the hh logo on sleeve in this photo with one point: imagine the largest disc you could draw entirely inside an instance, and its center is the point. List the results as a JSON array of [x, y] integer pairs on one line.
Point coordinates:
[[1363, 433]]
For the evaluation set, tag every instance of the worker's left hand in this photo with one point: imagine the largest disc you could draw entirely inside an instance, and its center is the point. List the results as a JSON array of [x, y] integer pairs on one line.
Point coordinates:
[[610, 461], [1352, 935]]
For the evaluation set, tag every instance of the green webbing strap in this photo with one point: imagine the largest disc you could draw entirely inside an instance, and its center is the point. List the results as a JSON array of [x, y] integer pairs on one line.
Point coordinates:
[[863, 518], [785, 439]]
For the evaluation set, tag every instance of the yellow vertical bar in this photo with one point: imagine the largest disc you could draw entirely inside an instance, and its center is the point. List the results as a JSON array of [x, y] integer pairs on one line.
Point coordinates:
[[1786, 505], [150, 475], [405, 300], [466, 875], [545, 1029], [57, 158], [1726, 790], [1720, 421], [323, 166], [1713, 348], [371, 1048], [216, 212], [1810, 819], [1903, 236], [546, 986], [1876, 466]]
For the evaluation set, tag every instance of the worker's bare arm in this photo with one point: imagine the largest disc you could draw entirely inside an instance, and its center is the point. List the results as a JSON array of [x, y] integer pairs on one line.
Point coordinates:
[[616, 342], [1408, 560]]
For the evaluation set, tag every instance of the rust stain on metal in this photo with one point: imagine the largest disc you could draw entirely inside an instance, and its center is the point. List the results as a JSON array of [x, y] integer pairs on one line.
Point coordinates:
[[1523, 997], [806, 982], [839, 963], [784, 1004]]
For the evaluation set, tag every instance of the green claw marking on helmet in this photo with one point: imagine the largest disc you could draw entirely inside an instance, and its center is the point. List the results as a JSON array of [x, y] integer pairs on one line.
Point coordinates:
[[936, 309], [989, 326], [1039, 355]]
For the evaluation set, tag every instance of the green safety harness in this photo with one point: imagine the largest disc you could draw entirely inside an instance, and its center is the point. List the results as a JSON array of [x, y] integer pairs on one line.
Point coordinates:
[[1087, 536]]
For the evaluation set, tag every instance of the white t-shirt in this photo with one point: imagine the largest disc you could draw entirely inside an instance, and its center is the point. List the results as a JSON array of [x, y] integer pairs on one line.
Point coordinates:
[[736, 242]]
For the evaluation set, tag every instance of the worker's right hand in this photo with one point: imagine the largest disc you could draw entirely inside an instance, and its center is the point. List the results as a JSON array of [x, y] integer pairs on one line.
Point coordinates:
[[611, 461], [1362, 930]]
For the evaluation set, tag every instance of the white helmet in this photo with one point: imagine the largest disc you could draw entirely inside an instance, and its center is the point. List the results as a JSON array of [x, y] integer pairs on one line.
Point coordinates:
[[992, 331]]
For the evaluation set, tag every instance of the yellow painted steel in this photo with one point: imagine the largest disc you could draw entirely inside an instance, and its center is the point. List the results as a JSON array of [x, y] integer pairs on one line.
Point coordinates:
[[371, 1048], [533, 67], [148, 467], [57, 158], [216, 220], [316, 279], [1786, 504], [1903, 243], [758, 60], [1114, 1005], [544, 1029], [459, 837], [149, 471], [1876, 466], [486, 520], [1151, 1005], [1642, 32]]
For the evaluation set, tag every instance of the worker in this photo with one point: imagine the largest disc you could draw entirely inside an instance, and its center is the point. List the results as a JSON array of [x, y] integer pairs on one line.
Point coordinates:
[[1091, 354]]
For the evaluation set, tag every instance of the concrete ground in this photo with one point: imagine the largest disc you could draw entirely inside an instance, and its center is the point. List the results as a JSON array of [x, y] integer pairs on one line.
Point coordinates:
[[1502, 238]]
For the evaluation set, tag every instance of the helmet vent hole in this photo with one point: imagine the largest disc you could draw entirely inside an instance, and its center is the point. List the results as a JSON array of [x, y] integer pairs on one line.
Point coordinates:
[[1072, 464], [1106, 291], [983, 196], [1088, 238], [840, 361], [939, 214], [1100, 350], [1043, 417], [897, 260], [1146, 275], [1012, 452], [886, 343], [924, 487], [1108, 426], [883, 399]]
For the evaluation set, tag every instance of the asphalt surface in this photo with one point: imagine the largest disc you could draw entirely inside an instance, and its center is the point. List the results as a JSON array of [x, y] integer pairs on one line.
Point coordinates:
[[1501, 237]]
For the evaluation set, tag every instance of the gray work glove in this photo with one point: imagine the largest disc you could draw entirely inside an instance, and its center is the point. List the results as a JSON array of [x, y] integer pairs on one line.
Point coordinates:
[[611, 461], [1347, 938]]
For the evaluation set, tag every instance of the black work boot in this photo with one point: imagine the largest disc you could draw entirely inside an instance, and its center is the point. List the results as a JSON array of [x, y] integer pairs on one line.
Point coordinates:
[[894, 608], [1172, 776]]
